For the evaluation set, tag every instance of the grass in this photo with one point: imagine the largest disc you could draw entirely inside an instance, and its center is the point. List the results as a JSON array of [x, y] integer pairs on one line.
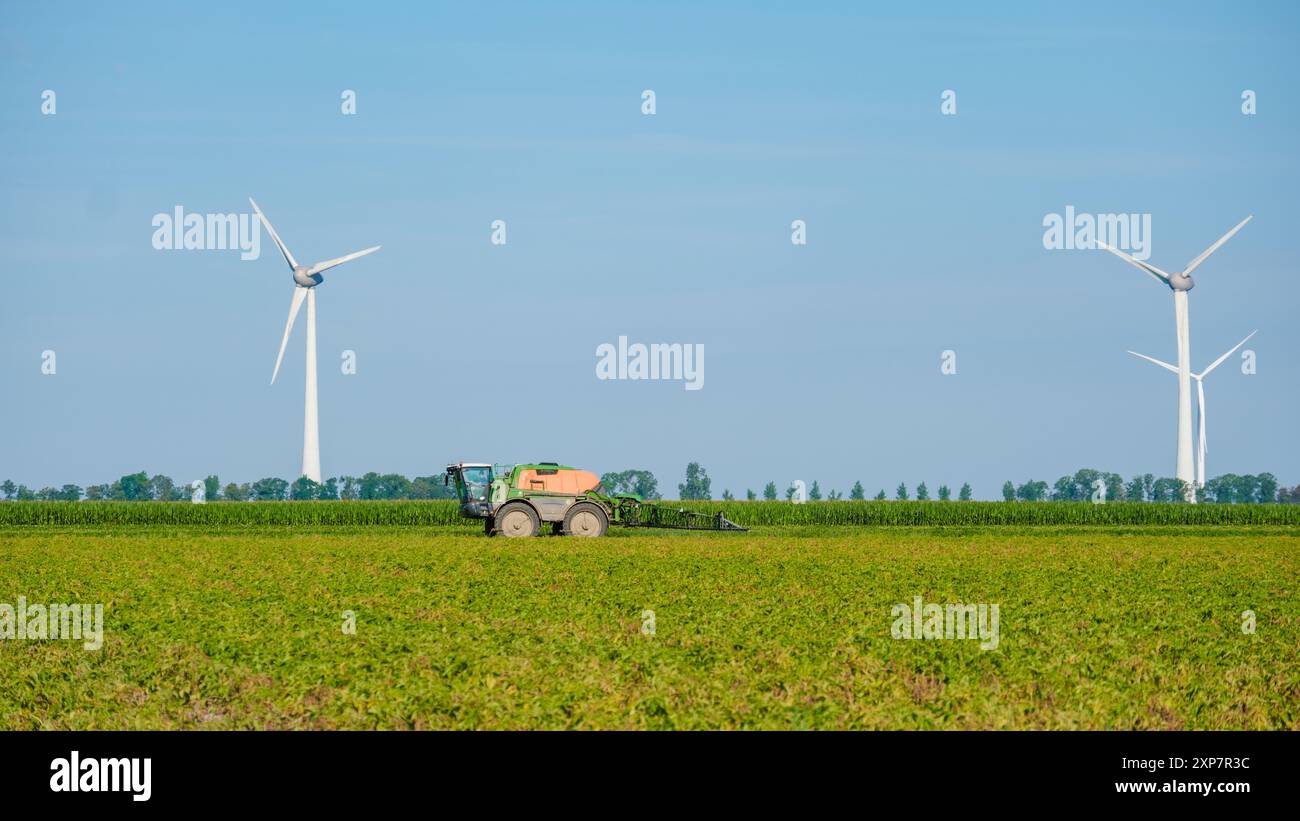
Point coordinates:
[[778, 628]]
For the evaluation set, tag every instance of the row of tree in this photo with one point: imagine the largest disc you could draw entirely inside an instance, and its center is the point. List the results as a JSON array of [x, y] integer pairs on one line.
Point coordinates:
[[140, 487], [1083, 485], [1088, 485]]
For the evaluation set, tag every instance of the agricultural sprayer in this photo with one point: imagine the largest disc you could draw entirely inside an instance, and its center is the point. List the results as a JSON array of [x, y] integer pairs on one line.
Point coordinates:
[[514, 500]]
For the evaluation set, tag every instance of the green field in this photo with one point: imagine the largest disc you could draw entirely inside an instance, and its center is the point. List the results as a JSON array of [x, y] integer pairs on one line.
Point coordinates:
[[782, 627]]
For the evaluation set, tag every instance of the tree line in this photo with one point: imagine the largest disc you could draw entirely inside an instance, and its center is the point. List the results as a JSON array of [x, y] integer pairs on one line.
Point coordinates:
[[140, 487], [1083, 485], [1088, 484]]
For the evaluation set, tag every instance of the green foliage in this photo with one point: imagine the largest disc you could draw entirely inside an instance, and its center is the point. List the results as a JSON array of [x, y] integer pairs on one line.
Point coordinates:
[[857, 494], [696, 485], [945, 493], [1032, 491], [815, 493], [634, 482], [304, 488], [134, 487], [769, 491], [269, 489], [964, 495], [240, 628], [901, 493], [922, 493]]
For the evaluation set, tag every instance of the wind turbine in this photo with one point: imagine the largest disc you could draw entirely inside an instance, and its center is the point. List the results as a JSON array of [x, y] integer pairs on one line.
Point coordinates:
[[305, 279], [1200, 400], [1180, 284]]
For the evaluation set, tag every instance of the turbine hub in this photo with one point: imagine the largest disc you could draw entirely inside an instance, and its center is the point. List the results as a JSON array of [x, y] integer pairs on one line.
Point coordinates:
[[305, 280], [1180, 282]]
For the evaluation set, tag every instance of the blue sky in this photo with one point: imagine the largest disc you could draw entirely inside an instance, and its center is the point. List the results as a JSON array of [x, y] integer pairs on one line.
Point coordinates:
[[822, 361]]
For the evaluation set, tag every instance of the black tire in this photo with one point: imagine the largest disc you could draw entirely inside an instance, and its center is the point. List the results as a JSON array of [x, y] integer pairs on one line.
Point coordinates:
[[586, 519], [517, 520], [489, 527]]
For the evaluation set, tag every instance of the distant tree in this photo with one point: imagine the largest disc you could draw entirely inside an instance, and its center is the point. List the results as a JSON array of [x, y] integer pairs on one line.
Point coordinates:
[[304, 488], [212, 488], [163, 489], [769, 491], [269, 489], [133, 488], [727, 497], [901, 492], [234, 493], [815, 493], [387, 486], [1064, 490], [96, 492], [636, 482], [47, 494], [696, 485], [1008, 491], [1265, 488], [857, 494], [1166, 490], [1114, 487], [426, 487], [922, 493], [9, 489], [834, 496], [750, 495], [944, 493], [349, 488], [1134, 491], [1032, 491], [329, 489], [70, 493], [1149, 487], [880, 497], [1289, 496], [25, 494], [790, 492]]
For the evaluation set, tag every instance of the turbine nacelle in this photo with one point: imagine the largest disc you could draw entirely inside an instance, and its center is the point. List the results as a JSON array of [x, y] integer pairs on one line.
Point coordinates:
[[303, 277], [1181, 282]]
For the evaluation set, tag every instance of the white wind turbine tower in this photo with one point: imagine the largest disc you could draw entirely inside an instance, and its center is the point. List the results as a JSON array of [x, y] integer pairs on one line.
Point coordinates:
[[1180, 284], [305, 279], [1200, 401]]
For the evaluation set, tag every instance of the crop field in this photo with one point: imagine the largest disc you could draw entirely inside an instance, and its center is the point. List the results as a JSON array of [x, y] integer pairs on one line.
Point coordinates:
[[243, 626], [863, 513]]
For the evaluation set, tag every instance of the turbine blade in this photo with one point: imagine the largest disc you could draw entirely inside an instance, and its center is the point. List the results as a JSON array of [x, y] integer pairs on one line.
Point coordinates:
[[284, 249], [299, 293], [326, 265], [1164, 365], [1151, 270], [1191, 266], [1219, 361]]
